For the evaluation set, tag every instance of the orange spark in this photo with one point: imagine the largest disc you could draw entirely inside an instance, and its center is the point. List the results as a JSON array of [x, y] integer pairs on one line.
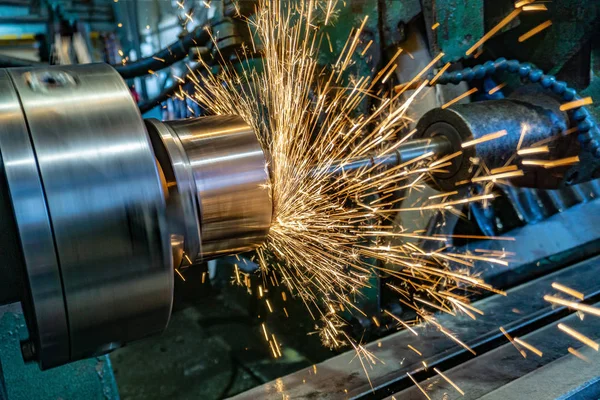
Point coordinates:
[[459, 98], [576, 103], [449, 381], [494, 30], [568, 290], [535, 30], [484, 138], [579, 336]]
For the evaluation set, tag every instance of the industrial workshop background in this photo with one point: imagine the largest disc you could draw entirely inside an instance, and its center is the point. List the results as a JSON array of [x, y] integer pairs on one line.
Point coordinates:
[[479, 68]]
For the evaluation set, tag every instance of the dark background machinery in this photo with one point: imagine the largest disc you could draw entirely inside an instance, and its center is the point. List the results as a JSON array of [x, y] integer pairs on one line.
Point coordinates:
[[210, 314]]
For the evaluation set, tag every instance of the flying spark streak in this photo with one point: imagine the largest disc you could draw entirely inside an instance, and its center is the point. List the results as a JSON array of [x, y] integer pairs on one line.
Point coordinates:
[[465, 305], [497, 88], [496, 252], [495, 177], [569, 131], [524, 129], [277, 347], [419, 386], [535, 30], [328, 222], [522, 3], [439, 73], [568, 290], [180, 275], [451, 336], [436, 196], [574, 305], [444, 159], [576, 103], [504, 169], [459, 98], [533, 150], [579, 336], [435, 26], [402, 88], [273, 349], [484, 138], [415, 350], [511, 239], [578, 354], [529, 347], [454, 385], [447, 204], [552, 164], [512, 341], [494, 30], [362, 54], [404, 324], [535, 7]]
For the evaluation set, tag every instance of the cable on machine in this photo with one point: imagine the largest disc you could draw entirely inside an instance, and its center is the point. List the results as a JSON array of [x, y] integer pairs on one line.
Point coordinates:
[[169, 91], [167, 56], [164, 58]]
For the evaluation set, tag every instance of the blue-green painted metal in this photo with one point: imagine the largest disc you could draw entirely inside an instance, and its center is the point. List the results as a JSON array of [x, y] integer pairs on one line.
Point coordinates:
[[90, 379], [461, 26]]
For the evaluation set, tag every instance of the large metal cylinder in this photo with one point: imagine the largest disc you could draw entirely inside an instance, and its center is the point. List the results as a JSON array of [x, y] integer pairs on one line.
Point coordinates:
[[89, 209], [98, 213]]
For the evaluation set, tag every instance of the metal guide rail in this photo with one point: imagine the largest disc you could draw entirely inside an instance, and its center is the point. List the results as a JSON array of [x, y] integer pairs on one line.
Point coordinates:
[[552, 245]]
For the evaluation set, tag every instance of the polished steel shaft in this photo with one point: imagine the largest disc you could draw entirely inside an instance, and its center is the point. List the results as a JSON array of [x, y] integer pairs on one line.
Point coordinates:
[[217, 174], [405, 152]]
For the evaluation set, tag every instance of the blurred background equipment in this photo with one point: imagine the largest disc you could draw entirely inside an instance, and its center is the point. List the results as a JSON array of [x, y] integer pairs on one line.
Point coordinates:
[[100, 207]]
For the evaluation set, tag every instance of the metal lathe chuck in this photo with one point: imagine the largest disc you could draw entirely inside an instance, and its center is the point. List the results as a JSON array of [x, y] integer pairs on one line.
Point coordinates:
[[97, 205]]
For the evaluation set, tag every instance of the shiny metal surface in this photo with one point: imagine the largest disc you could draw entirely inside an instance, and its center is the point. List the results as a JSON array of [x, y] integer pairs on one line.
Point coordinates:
[[182, 206], [47, 307], [439, 145], [105, 202], [229, 171]]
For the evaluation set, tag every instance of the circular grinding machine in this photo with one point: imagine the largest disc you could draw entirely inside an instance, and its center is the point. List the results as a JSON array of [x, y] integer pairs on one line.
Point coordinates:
[[98, 206]]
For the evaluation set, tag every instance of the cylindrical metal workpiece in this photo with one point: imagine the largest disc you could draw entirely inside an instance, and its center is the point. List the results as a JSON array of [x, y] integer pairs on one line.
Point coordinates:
[[529, 120], [219, 166], [405, 152]]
